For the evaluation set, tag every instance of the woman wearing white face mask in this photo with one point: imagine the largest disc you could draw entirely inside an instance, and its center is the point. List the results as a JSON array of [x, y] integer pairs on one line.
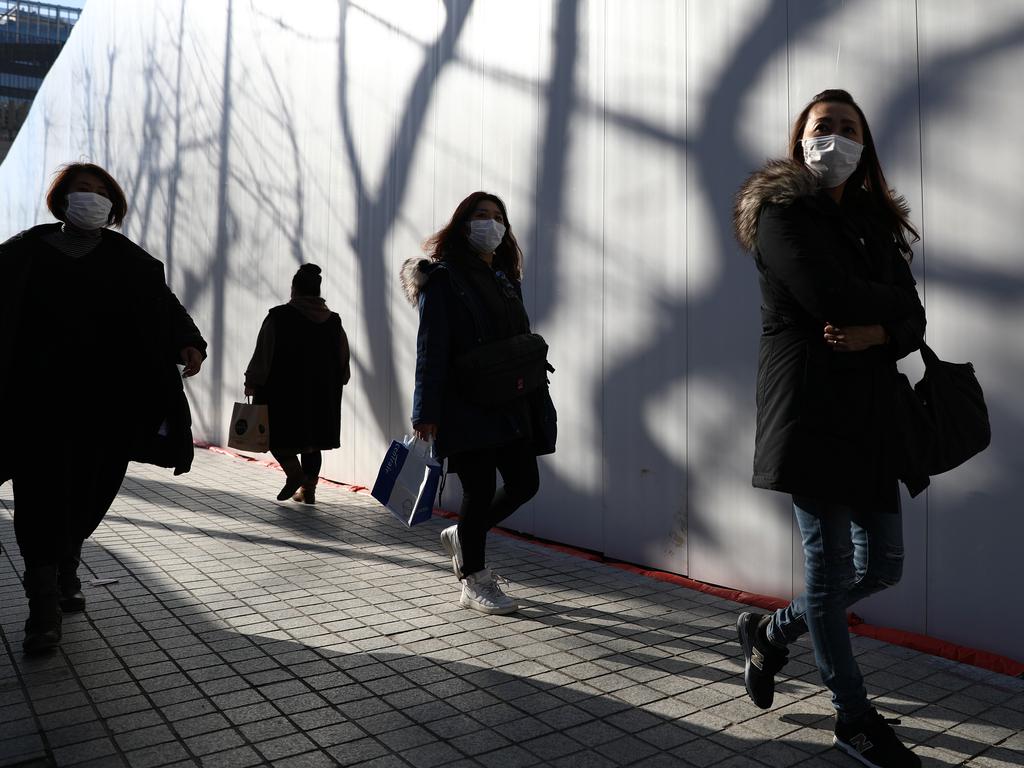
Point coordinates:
[[831, 242], [89, 337], [469, 296]]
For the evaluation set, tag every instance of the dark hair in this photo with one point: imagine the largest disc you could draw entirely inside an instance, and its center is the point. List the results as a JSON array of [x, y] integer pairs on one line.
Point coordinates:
[[57, 195], [451, 240], [868, 174], [307, 280]]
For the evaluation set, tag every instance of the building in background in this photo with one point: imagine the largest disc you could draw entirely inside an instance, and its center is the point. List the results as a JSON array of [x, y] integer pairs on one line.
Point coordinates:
[[31, 36]]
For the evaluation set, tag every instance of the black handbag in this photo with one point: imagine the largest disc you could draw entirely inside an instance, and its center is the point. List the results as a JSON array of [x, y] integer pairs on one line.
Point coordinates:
[[543, 422], [501, 371], [955, 404], [943, 420]]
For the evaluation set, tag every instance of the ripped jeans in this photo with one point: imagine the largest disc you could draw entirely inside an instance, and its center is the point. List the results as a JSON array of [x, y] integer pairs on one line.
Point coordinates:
[[849, 553]]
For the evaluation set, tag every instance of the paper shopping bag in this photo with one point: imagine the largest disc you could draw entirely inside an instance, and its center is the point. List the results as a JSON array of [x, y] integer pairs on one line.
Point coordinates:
[[408, 481], [250, 428]]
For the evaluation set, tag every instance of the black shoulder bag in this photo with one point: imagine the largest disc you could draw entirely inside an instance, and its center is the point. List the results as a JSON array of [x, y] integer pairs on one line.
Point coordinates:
[[943, 420], [955, 403], [500, 370]]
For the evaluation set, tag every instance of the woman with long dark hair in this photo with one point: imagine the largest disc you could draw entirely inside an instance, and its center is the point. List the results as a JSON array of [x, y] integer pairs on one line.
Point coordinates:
[[89, 337], [469, 294], [831, 242], [298, 369]]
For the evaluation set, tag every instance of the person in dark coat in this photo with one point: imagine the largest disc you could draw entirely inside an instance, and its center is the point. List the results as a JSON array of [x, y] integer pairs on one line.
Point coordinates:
[[89, 338], [469, 292], [298, 369], [831, 244]]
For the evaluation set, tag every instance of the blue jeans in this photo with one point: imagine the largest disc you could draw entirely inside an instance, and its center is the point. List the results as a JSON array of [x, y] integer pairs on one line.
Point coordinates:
[[850, 552]]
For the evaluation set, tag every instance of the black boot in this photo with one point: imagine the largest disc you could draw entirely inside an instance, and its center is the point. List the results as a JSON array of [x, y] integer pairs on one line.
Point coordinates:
[[307, 493], [71, 598], [43, 627], [294, 477]]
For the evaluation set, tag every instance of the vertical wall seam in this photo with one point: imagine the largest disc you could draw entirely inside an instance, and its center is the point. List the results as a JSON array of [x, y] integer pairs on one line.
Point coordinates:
[[924, 271], [789, 111], [686, 282], [604, 274]]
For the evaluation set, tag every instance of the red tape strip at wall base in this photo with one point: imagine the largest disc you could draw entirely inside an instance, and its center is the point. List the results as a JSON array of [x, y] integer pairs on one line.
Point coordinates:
[[922, 643], [274, 465]]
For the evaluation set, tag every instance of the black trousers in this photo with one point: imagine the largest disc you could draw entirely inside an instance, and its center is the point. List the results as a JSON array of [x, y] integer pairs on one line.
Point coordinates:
[[60, 501], [483, 507], [310, 464]]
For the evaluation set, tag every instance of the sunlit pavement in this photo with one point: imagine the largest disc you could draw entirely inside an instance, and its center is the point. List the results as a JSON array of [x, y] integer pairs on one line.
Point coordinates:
[[226, 629]]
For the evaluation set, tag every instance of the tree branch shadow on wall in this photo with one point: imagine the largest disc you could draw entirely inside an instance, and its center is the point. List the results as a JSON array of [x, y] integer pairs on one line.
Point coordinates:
[[376, 214]]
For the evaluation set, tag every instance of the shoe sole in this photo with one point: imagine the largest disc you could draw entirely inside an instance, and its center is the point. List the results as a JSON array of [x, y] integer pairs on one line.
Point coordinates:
[[72, 605], [852, 752], [747, 646], [496, 611], [450, 549]]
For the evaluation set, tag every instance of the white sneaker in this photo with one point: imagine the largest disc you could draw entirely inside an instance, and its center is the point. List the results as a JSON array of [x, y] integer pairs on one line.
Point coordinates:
[[450, 542], [480, 591]]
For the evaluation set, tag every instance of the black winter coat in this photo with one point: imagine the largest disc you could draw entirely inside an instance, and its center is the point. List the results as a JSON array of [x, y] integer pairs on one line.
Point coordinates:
[[89, 347], [455, 297], [308, 369], [826, 420]]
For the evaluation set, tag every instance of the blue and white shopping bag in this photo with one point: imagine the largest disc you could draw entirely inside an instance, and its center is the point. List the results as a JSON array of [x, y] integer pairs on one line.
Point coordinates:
[[408, 480]]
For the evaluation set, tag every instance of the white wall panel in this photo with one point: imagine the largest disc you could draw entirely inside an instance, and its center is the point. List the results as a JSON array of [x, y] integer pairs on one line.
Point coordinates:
[[971, 60], [569, 237], [644, 370], [736, 83], [252, 136]]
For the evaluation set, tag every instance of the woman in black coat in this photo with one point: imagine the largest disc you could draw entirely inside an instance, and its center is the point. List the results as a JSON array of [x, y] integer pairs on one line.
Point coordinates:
[[298, 369], [469, 293], [89, 338], [839, 308]]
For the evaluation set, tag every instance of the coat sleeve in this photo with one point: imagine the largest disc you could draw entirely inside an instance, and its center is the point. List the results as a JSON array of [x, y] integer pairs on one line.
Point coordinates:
[[906, 335], [346, 356], [258, 370], [184, 332], [433, 349], [817, 280], [178, 330]]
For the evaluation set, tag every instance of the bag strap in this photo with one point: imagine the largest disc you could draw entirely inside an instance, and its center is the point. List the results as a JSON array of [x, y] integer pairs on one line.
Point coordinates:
[[929, 357]]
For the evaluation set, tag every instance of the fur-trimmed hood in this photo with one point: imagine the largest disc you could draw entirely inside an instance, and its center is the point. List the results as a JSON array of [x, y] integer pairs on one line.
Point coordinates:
[[413, 276], [780, 182]]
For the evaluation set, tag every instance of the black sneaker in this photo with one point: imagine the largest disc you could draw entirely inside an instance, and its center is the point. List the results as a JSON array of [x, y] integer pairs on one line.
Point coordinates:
[[762, 659], [872, 740]]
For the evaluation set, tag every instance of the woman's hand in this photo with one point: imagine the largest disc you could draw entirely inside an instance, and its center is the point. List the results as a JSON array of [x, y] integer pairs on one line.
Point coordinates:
[[250, 391], [192, 358], [425, 431], [855, 338]]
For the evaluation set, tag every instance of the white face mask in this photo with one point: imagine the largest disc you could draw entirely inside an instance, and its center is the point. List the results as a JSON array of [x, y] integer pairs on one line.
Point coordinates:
[[832, 158], [485, 234], [87, 210]]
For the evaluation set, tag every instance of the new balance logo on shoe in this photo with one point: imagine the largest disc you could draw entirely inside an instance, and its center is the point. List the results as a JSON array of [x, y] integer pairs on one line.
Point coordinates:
[[757, 658], [861, 743]]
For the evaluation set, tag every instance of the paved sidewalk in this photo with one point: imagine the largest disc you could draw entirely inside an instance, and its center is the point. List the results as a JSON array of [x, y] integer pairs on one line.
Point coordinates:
[[240, 631]]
